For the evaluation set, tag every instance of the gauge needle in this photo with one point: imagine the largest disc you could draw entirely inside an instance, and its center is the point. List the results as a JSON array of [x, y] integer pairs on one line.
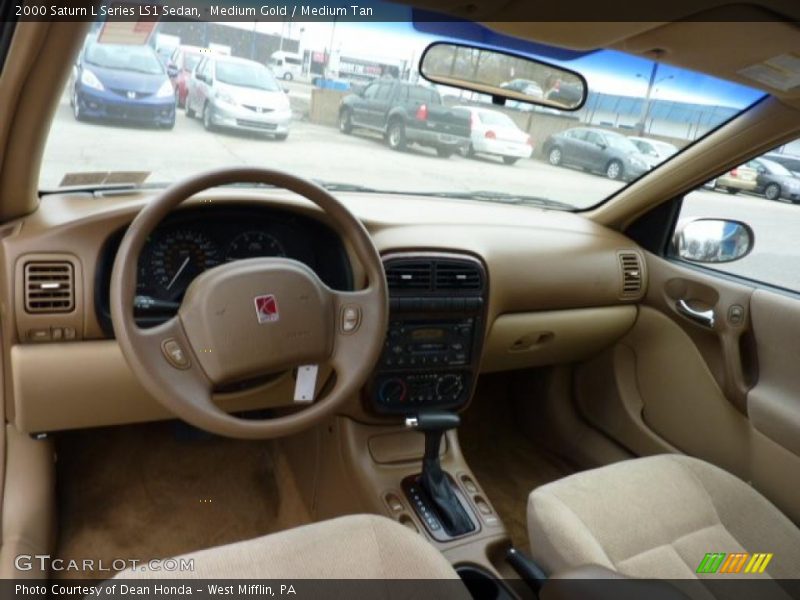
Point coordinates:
[[180, 270]]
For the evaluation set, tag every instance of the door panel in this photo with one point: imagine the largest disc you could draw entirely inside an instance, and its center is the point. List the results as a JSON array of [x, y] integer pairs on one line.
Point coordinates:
[[728, 394], [774, 402]]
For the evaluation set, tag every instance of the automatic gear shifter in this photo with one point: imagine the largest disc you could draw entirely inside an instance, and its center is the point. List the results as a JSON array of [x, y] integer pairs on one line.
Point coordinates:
[[433, 480]]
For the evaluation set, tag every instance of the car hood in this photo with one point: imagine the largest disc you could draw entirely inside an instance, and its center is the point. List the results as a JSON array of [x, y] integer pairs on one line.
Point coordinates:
[[133, 81], [253, 97]]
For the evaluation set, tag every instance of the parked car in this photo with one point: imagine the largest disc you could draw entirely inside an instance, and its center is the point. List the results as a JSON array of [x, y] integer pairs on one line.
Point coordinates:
[[235, 93], [775, 181], [564, 93], [406, 113], [183, 61], [790, 161], [524, 86], [496, 134], [596, 150], [286, 65], [654, 152], [123, 83], [739, 179]]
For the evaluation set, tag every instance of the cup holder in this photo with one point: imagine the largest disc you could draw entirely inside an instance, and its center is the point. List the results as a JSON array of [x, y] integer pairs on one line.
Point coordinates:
[[482, 585]]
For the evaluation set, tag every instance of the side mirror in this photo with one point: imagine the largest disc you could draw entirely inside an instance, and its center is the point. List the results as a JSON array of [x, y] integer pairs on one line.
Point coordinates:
[[286, 90], [601, 145], [172, 70], [713, 241]]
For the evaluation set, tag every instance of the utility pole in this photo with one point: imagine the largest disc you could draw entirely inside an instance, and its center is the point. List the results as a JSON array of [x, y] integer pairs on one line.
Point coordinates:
[[283, 29], [648, 102], [646, 105], [330, 49]]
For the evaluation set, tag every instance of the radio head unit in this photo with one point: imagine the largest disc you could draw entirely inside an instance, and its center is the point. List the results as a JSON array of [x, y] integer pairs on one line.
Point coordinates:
[[435, 335]]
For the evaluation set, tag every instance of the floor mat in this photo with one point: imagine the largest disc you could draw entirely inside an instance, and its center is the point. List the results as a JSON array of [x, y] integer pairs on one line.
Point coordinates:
[[508, 464], [159, 490]]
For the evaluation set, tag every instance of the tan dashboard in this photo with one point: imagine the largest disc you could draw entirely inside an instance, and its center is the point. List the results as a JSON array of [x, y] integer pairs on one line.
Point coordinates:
[[560, 288]]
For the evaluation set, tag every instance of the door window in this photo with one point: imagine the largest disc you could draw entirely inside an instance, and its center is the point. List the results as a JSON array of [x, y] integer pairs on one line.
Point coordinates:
[[769, 205], [594, 138], [371, 90], [384, 91]]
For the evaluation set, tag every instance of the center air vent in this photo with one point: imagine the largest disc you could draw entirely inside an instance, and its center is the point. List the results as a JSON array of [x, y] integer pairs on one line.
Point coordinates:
[[435, 274], [632, 276], [458, 276], [49, 287], [409, 275]]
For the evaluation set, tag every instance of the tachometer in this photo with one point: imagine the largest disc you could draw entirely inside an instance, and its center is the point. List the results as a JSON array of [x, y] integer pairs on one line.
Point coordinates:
[[180, 256], [253, 244]]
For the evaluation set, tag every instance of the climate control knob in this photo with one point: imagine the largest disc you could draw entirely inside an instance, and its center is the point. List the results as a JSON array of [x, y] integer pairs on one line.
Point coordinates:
[[449, 387], [393, 391]]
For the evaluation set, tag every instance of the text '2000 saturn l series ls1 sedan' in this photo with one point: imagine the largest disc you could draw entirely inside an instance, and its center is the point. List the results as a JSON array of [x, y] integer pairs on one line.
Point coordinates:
[[487, 324]]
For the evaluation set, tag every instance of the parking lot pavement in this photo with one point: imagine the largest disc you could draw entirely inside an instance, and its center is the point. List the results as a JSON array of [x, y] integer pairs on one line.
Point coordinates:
[[320, 152], [311, 151]]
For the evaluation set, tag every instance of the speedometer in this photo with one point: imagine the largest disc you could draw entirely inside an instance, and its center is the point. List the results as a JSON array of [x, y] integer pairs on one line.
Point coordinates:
[[254, 244], [180, 256]]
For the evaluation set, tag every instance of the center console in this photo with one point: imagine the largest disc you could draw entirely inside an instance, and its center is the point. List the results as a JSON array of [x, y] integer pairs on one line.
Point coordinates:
[[437, 307]]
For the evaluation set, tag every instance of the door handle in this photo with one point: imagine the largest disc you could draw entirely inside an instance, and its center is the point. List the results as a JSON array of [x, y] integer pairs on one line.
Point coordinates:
[[701, 317]]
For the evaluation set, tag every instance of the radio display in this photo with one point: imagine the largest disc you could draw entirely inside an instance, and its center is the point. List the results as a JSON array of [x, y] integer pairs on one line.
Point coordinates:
[[427, 334]]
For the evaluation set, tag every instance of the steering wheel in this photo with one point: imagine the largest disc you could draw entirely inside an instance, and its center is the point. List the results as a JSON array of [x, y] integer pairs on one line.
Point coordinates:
[[251, 317]]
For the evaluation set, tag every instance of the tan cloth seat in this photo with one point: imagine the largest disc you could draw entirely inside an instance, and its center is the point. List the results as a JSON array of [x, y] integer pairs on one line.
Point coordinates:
[[657, 517], [351, 547]]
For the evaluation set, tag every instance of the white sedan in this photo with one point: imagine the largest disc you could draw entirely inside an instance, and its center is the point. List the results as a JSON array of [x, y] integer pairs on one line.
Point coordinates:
[[496, 133]]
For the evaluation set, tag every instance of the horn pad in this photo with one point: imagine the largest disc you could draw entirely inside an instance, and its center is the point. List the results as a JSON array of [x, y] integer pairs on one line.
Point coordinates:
[[258, 315]]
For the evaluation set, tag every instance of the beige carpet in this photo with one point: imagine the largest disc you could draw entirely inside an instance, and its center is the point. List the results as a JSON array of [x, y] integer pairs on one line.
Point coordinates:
[[507, 463], [142, 492]]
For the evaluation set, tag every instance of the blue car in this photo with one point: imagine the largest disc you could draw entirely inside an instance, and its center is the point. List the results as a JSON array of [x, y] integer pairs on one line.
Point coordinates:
[[122, 83]]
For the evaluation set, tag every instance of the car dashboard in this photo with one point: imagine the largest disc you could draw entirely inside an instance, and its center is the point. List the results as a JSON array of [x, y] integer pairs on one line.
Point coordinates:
[[503, 287]]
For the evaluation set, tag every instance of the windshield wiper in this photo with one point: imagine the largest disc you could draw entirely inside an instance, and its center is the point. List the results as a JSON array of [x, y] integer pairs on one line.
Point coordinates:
[[503, 198], [485, 196], [333, 186], [100, 188]]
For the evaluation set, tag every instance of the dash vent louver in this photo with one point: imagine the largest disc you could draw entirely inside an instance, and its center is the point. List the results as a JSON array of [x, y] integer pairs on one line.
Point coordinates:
[[409, 275], [458, 276], [49, 287], [632, 274]]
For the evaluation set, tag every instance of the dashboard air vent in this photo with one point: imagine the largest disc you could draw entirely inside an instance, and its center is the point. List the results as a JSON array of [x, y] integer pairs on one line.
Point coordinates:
[[632, 277], [409, 275], [49, 287], [458, 276]]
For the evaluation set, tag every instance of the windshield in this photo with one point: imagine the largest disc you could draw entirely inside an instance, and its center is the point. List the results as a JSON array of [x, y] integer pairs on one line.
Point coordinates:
[[331, 120], [665, 149], [246, 75], [190, 60], [139, 59]]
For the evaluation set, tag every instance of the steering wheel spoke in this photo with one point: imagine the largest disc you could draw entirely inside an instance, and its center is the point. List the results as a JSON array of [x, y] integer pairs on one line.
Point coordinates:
[[359, 315], [168, 356]]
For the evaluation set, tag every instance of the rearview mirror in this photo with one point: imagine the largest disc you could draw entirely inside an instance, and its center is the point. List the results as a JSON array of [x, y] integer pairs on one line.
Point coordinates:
[[713, 241], [503, 75]]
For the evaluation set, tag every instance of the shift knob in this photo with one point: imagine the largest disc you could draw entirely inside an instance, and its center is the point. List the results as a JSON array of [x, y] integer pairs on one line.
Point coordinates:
[[434, 421]]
